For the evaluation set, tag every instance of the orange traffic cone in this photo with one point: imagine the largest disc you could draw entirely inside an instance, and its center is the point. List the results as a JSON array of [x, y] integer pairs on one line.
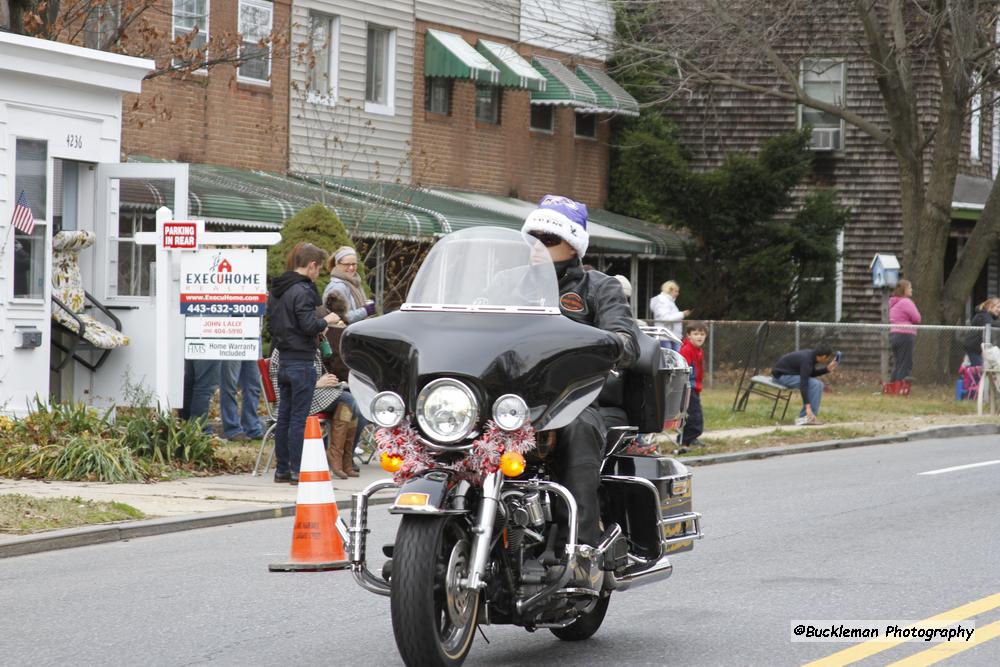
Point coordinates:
[[316, 542]]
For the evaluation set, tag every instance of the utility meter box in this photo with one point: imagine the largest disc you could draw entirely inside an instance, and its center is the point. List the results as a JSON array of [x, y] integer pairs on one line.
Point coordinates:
[[885, 270], [27, 338]]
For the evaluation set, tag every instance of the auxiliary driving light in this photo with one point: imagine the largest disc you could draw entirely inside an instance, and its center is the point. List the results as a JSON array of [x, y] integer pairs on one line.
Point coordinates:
[[510, 412], [387, 409]]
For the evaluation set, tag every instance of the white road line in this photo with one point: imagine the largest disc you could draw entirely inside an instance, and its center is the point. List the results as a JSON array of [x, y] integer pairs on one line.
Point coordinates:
[[954, 468]]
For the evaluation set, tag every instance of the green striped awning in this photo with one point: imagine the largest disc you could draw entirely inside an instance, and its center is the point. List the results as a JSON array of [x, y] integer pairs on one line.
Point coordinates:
[[515, 71], [611, 98], [449, 56], [561, 86]]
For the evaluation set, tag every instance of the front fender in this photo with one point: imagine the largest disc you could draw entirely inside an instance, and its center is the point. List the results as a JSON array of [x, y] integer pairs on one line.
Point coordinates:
[[434, 492]]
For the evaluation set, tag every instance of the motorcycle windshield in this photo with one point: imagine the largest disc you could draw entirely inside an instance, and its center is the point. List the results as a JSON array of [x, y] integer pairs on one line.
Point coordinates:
[[486, 269]]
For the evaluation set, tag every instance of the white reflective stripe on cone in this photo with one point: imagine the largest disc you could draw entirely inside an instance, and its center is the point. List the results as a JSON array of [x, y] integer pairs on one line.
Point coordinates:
[[313, 456], [315, 493]]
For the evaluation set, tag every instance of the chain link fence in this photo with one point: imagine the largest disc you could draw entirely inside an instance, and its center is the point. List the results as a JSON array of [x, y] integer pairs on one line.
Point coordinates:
[[867, 354]]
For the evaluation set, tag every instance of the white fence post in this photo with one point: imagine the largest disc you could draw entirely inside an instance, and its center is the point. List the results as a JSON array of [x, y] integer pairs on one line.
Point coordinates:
[[711, 354]]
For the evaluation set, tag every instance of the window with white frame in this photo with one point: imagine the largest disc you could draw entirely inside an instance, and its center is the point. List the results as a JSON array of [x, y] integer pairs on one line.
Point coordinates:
[[487, 104], [380, 70], [135, 263], [102, 22], [322, 58], [586, 125], [823, 79], [437, 95], [254, 27], [542, 117], [190, 22], [31, 162]]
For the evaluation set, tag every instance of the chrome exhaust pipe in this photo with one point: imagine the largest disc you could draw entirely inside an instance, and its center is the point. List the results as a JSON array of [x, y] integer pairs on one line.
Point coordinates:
[[641, 574]]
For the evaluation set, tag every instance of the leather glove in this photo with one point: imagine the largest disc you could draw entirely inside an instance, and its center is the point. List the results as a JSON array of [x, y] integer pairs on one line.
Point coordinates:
[[370, 307]]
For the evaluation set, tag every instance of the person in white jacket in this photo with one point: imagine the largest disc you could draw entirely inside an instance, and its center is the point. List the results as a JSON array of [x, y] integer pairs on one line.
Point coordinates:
[[664, 308]]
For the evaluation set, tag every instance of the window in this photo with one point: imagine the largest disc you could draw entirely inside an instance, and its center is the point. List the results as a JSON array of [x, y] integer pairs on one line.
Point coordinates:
[[823, 79], [31, 177], [488, 104], [542, 117], [135, 262], [191, 16], [437, 95], [324, 38], [101, 23], [380, 70], [255, 27], [586, 125]]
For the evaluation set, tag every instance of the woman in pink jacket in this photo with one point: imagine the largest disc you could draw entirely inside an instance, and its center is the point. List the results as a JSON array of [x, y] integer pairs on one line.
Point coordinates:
[[903, 314]]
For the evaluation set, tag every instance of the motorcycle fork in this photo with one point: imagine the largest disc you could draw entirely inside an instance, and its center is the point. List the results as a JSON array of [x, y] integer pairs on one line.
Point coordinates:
[[483, 531]]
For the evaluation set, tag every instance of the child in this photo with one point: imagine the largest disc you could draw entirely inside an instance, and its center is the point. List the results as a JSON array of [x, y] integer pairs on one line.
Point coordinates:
[[695, 356]]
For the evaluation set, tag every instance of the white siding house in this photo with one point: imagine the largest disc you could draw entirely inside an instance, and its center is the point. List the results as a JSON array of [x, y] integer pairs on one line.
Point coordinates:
[[575, 27], [351, 97]]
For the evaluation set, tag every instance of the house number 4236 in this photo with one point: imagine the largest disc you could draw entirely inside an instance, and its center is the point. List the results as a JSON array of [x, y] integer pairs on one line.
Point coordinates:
[[74, 140]]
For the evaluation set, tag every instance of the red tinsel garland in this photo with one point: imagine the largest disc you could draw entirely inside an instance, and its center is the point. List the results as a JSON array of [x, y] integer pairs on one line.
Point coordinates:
[[483, 459]]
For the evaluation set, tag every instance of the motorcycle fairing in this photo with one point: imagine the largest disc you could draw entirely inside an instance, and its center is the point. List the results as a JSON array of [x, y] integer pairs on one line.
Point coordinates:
[[541, 355]]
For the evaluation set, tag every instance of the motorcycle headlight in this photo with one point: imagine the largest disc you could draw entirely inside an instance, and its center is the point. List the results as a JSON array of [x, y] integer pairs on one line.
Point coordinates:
[[447, 410], [510, 412], [387, 409]]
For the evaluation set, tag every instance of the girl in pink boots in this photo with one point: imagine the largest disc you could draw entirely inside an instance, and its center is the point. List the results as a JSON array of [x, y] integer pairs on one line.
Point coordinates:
[[903, 314]]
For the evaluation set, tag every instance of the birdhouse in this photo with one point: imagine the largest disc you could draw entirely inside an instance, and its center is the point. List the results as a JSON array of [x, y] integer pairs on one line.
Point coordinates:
[[885, 270]]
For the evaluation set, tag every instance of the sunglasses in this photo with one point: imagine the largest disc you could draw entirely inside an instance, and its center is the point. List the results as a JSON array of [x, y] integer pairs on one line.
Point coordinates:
[[547, 240]]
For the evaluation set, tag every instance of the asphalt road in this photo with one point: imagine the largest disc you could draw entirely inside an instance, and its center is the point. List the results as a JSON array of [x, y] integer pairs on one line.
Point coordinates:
[[850, 534]]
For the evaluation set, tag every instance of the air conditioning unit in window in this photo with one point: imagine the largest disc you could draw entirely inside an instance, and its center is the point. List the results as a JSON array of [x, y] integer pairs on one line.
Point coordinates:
[[825, 139]]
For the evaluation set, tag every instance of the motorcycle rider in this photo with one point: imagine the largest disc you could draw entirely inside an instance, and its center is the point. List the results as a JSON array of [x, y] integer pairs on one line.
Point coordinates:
[[595, 299]]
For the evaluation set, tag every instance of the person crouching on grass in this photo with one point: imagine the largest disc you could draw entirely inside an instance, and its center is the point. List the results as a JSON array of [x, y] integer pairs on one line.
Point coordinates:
[[693, 353]]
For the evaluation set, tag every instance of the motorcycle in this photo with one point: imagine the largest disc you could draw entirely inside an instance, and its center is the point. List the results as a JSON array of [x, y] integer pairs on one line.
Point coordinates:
[[466, 382]]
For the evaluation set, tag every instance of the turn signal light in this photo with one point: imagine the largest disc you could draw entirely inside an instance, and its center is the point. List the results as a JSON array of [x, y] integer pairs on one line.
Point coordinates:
[[391, 463], [410, 499], [512, 464]]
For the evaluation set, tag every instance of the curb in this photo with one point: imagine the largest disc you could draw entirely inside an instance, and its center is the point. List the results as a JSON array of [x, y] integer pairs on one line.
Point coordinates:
[[79, 537], [958, 431]]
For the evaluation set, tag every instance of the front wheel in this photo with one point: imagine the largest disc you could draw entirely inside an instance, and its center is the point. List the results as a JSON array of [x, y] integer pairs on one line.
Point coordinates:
[[433, 617], [585, 626]]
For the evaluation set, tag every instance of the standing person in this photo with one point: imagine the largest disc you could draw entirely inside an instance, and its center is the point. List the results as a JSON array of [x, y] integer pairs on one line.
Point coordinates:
[[799, 370], [665, 311], [294, 326], [343, 266], [903, 314], [240, 424], [692, 351], [203, 380], [335, 303], [595, 299], [986, 313]]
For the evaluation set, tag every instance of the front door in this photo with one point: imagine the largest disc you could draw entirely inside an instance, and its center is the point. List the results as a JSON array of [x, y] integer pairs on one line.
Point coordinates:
[[122, 275]]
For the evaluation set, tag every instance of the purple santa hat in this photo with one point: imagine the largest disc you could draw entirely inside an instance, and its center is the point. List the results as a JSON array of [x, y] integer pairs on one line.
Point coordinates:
[[563, 217]]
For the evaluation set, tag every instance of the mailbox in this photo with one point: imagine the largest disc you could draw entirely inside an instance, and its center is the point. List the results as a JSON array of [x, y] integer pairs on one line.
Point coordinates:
[[885, 270]]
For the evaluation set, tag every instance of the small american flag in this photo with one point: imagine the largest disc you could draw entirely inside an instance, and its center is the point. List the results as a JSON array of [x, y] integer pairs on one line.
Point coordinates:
[[22, 219]]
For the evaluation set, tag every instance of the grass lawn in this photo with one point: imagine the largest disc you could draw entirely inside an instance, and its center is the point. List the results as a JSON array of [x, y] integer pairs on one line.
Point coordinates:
[[846, 413], [20, 514]]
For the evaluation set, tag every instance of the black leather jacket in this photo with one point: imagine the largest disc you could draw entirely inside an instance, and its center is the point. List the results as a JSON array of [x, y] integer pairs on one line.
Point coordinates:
[[292, 318], [591, 297]]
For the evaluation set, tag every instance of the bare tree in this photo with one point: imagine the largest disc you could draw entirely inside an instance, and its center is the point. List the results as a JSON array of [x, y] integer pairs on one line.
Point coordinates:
[[132, 27], [934, 61]]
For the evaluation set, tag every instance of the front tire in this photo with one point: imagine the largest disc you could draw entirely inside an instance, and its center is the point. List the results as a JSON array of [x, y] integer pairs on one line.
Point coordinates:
[[585, 626], [433, 619]]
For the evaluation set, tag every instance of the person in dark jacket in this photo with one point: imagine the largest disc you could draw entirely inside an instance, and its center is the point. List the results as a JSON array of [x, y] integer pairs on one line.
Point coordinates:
[[294, 327], [986, 313], [799, 370], [593, 298]]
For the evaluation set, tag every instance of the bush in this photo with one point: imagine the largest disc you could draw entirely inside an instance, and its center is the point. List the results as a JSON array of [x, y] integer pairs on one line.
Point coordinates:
[[317, 225], [161, 438]]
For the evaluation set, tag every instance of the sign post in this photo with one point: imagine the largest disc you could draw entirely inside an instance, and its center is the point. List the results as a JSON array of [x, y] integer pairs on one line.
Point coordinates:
[[186, 238]]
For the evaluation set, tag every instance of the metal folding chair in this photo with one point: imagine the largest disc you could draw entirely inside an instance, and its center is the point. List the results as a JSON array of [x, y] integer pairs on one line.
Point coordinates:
[[271, 418]]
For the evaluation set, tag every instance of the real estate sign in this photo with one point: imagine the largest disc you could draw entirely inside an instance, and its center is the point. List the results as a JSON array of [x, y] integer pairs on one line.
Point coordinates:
[[222, 294]]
